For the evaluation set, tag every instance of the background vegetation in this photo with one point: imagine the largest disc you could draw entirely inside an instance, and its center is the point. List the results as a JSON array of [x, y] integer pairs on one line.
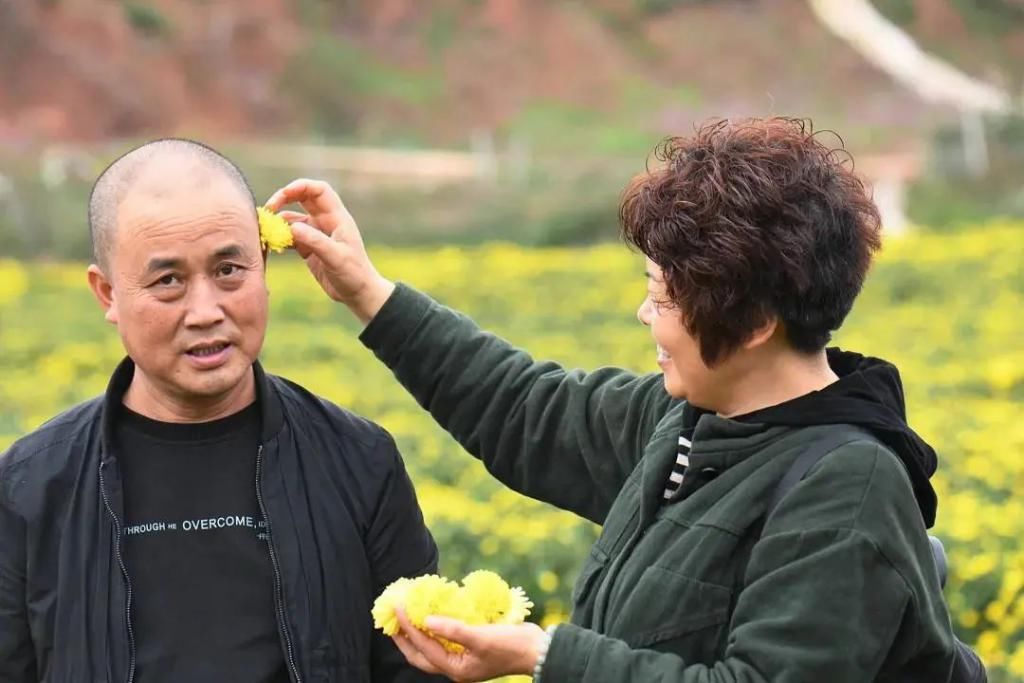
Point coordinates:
[[942, 307]]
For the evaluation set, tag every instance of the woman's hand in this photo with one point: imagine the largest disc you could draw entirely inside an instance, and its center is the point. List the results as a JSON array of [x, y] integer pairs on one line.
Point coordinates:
[[491, 651], [327, 238]]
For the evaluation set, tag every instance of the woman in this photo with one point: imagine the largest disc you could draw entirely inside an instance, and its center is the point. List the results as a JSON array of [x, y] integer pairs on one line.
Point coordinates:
[[757, 239]]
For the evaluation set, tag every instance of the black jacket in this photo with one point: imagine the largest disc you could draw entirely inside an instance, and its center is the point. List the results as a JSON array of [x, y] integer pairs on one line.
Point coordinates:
[[340, 509]]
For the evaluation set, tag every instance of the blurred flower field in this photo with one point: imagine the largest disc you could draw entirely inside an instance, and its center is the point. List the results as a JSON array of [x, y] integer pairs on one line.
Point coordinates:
[[945, 308]]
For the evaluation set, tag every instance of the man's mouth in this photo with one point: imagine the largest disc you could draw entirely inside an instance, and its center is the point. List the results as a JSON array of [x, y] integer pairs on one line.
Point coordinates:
[[205, 350], [663, 356]]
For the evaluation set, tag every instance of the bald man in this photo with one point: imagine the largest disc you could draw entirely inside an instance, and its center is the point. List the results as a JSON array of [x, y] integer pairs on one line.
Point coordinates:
[[202, 521]]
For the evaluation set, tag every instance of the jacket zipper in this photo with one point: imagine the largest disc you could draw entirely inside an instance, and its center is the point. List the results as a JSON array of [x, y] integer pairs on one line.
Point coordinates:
[[278, 584], [127, 580]]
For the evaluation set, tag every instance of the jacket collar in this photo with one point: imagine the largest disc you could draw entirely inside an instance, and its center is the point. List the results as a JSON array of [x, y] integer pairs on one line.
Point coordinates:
[[267, 395]]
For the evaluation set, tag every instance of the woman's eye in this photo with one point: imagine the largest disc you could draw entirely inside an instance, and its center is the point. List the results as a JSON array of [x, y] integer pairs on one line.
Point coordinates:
[[661, 303]]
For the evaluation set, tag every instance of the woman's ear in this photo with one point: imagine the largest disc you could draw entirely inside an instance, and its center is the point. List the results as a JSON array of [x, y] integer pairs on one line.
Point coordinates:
[[763, 333]]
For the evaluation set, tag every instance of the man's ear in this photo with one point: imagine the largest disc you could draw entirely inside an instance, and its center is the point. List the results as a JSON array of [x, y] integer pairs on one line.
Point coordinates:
[[103, 290]]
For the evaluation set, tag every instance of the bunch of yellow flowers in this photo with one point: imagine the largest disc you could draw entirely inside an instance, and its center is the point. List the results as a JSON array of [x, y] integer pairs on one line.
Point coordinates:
[[483, 598]]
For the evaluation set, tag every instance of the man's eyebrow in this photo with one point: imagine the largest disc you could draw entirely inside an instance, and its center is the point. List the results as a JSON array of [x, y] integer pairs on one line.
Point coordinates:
[[230, 251], [162, 263]]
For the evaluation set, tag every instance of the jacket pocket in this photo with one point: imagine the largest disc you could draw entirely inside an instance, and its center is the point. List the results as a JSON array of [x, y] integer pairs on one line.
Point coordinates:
[[667, 606], [583, 591], [621, 519]]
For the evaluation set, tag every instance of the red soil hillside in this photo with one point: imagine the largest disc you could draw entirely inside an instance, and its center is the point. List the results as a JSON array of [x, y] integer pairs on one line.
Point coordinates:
[[94, 69]]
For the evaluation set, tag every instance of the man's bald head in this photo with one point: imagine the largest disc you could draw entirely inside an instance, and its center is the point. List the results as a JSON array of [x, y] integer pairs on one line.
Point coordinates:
[[143, 168]]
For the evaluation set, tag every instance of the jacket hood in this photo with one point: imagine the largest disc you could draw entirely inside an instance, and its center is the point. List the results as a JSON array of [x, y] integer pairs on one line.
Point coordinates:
[[868, 394]]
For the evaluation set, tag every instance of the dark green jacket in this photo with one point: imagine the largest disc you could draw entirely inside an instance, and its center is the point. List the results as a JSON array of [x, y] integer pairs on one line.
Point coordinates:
[[839, 586]]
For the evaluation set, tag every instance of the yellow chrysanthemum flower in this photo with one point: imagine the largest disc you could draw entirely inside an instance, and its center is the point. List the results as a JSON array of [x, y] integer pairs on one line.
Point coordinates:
[[275, 233], [430, 595], [519, 607], [483, 598], [384, 606], [493, 601], [433, 595]]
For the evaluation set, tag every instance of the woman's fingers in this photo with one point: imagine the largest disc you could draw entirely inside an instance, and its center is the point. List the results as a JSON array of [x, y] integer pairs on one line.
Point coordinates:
[[302, 191], [294, 216], [412, 655], [309, 240], [304, 238], [328, 239], [319, 199], [426, 647], [453, 630]]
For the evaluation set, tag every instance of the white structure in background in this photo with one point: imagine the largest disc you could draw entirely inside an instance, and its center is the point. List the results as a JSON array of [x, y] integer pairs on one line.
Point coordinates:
[[972, 133], [896, 53], [888, 176], [425, 168], [893, 51]]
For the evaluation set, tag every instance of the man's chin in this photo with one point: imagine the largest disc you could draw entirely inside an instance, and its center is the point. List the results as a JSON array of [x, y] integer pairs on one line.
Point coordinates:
[[210, 384]]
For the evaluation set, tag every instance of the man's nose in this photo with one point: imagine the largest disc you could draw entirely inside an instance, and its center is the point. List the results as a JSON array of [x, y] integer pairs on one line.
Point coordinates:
[[204, 304]]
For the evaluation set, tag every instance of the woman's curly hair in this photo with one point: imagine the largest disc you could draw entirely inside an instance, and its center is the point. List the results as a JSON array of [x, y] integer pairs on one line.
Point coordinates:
[[750, 220]]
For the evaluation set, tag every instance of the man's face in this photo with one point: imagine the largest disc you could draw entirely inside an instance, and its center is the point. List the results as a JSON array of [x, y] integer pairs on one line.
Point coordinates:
[[186, 283]]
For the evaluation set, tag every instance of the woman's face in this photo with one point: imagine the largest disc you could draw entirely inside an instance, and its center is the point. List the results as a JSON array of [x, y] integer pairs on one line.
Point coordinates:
[[686, 375]]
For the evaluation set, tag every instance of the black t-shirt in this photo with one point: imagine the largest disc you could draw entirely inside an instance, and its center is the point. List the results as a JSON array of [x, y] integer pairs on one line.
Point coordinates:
[[196, 551]]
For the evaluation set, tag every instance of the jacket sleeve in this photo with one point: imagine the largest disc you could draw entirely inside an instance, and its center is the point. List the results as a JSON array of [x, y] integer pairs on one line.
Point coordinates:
[[568, 438], [398, 545], [17, 654]]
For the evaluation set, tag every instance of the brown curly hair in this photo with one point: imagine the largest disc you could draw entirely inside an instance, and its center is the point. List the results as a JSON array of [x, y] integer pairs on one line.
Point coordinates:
[[750, 220]]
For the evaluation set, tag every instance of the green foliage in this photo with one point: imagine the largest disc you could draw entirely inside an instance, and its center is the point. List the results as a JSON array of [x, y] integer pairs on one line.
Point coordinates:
[[146, 19], [627, 128], [948, 197], [948, 205], [557, 126], [441, 29], [576, 165], [944, 308], [979, 16], [338, 83], [900, 12], [654, 7], [990, 16], [314, 13]]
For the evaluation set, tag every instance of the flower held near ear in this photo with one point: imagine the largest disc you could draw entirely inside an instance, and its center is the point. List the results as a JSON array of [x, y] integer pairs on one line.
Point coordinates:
[[275, 233]]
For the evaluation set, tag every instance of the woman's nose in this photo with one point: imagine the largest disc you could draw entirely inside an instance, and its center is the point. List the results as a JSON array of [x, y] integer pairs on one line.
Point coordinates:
[[643, 314]]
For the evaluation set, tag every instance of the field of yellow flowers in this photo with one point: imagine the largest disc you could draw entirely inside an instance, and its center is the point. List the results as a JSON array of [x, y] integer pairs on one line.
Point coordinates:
[[945, 308]]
